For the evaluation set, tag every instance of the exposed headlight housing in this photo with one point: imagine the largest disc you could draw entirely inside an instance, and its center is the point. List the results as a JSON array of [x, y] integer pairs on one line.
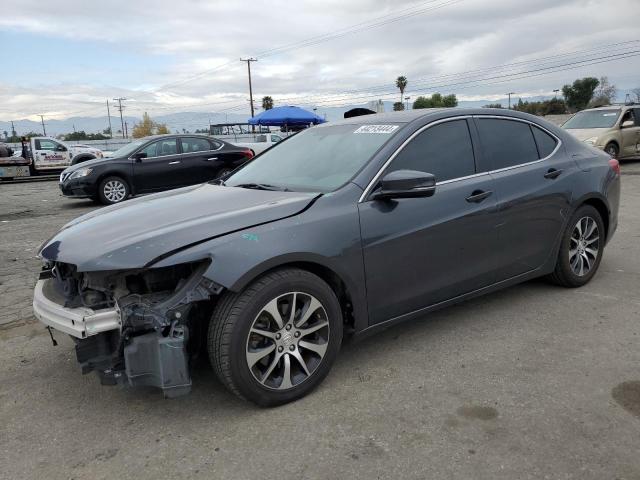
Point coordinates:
[[82, 172], [591, 141]]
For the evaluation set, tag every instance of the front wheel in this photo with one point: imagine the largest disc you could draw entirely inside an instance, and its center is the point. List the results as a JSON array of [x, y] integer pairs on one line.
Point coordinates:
[[581, 248], [612, 149], [277, 340], [113, 190]]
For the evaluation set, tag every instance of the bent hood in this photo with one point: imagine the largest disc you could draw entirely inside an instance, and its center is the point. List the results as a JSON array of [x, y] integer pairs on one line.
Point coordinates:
[[133, 233]]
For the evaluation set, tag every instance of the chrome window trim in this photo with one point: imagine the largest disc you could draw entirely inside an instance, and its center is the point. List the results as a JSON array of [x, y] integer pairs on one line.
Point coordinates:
[[367, 190]]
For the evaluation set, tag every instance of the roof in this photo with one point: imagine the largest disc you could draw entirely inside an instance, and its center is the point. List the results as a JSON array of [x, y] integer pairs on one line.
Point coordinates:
[[407, 116]]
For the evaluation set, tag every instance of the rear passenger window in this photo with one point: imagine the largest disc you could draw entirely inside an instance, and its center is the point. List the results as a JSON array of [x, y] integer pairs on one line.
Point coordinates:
[[444, 150], [193, 144], [506, 143], [546, 143]]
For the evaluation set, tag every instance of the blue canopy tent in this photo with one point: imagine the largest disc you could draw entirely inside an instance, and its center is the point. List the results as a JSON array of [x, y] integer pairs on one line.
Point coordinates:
[[286, 117]]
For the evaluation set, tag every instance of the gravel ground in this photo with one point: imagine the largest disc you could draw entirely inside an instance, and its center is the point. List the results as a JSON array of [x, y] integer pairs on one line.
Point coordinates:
[[535, 381]]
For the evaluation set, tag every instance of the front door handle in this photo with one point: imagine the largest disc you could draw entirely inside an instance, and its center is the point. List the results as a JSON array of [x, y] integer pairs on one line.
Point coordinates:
[[174, 163], [212, 159], [478, 195], [552, 173]]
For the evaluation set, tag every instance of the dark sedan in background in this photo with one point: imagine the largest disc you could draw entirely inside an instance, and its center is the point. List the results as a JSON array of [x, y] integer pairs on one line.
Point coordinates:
[[153, 164]]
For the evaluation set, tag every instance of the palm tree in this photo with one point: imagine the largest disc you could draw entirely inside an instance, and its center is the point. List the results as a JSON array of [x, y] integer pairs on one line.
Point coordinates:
[[267, 103], [401, 83]]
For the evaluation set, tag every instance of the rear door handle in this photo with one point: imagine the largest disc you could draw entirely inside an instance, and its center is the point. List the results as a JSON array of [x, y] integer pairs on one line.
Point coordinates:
[[478, 195], [552, 173], [174, 163], [212, 159]]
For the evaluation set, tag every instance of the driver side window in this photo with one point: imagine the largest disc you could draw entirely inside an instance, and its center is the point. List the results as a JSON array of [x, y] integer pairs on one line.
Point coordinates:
[[444, 150]]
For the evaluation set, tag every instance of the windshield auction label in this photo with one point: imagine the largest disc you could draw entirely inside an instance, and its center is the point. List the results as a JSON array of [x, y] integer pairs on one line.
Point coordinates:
[[376, 129]]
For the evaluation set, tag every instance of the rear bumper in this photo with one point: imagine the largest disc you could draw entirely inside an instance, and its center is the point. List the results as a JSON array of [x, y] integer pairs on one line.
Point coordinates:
[[78, 322]]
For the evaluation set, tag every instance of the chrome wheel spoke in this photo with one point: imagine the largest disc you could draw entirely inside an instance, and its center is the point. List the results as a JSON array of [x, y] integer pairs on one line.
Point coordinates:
[[296, 354], [591, 240], [263, 333], [255, 357], [286, 375], [312, 308], [319, 348], [308, 331], [272, 309], [592, 252], [269, 370]]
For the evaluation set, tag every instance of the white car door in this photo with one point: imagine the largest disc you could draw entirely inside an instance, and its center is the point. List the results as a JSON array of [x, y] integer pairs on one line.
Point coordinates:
[[49, 154]]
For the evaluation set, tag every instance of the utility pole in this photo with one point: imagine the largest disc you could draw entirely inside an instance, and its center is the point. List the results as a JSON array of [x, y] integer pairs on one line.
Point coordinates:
[[249, 60], [120, 108], [13, 130], [44, 131], [509, 95], [109, 117], [407, 99], [126, 129]]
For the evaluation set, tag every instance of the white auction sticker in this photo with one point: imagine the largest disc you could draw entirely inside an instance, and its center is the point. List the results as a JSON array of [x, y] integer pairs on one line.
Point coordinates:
[[376, 129]]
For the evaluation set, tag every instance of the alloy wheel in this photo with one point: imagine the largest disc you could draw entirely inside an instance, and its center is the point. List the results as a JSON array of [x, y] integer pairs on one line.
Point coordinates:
[[114, 191], [287, 340], [584, 246]]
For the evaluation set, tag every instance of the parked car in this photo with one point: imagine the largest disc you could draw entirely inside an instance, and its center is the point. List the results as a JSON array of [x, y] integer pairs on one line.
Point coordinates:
[[261, 143], [152, 164], [614, 129], [341, 230]]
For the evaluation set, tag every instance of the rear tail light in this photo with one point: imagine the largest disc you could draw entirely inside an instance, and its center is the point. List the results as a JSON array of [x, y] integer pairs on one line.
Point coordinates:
[[248, 154], [615, 165]]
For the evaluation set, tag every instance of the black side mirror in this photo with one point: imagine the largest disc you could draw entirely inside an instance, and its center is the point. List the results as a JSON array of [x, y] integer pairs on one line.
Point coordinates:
[[406, 184], [139, 156]]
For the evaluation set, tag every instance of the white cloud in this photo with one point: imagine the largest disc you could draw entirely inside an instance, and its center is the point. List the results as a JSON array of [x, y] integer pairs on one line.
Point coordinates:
[[202, 35]]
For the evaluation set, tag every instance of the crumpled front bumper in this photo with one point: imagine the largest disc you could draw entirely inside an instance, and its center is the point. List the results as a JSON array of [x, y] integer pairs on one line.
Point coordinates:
[[80, 322]]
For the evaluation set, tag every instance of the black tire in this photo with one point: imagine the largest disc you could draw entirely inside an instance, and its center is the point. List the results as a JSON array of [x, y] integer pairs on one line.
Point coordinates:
[[109, 199], [612, 149], [229, 336], [564, 273]]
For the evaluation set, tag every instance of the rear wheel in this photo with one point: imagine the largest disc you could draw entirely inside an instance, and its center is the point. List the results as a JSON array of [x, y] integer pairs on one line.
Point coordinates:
[[277, 340], [581, 248], [113, 190]]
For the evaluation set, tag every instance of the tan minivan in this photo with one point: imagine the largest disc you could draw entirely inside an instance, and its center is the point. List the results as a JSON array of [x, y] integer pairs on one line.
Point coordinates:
[[614, 129]]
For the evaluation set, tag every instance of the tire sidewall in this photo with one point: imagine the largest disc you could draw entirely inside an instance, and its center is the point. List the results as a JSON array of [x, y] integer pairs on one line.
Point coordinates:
[[583, 211], [247, 384], [103, 199]]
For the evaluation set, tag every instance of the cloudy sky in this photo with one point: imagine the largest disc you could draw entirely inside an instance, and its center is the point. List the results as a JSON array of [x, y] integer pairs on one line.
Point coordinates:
[[64, 58]]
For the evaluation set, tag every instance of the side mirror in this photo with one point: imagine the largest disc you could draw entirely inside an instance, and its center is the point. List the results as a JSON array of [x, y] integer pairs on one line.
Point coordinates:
[[627, 124], [406, 184], [139, 156]]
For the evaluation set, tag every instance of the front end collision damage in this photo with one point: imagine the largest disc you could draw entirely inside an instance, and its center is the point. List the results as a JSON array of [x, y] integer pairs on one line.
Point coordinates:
[[132, 327]]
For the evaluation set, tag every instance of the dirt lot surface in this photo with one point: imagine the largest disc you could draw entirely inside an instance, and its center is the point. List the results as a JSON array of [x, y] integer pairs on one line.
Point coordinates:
[[534, 382]]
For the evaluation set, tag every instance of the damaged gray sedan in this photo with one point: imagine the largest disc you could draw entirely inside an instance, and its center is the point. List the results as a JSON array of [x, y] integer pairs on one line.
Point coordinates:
[[343, 229]]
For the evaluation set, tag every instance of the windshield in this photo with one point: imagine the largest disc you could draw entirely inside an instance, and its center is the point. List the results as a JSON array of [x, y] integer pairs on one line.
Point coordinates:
[[319, 159], [128, 149], [593, 119]]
